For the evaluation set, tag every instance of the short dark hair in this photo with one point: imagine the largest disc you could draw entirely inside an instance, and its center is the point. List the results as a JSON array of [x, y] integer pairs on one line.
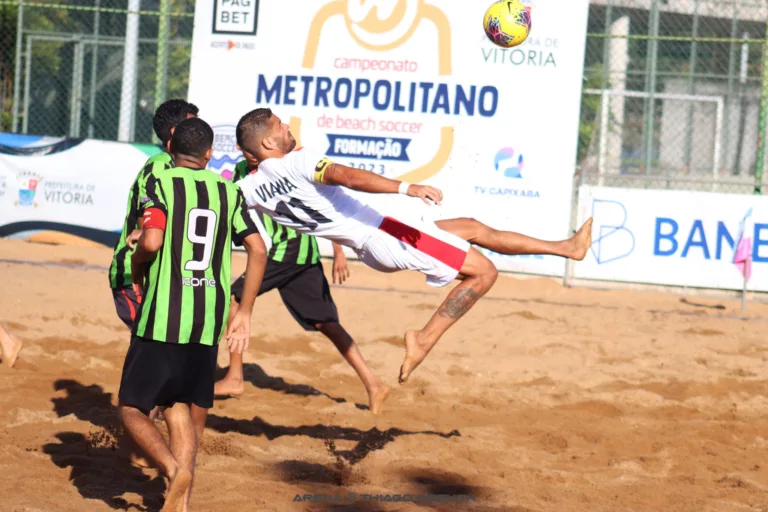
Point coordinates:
[[192, 137], [251, 123], [170, 114]]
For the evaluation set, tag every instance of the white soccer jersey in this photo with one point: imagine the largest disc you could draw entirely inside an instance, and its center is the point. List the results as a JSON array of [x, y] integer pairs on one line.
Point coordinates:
[[288, 189]]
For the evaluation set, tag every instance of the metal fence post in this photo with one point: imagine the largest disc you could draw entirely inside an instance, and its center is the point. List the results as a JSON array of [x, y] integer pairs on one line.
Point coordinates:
[[650, 109], [17, 66], [94, 68], [760, 160], [691, 90], [130, 66], [161, 69], [27, 84]]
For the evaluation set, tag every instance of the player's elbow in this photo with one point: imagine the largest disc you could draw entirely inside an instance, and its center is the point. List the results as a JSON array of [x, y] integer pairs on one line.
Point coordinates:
[[151, 240], [254, 246], [339, 175]]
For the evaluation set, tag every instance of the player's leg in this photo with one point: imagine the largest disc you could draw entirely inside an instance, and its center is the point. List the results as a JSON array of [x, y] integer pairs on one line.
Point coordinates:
[[197, 391], [127, 307], [146, 371], [148, 438], [233, 383], [477, 276], [307, 296], [509, 242], [377, 390], [11, 346], [199, 416], [181, 431]]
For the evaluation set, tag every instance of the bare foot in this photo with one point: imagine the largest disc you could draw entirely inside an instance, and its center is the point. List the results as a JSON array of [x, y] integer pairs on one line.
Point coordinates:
[[414, 355], [180, 482], [377, 397], [582, 241], [229, 387], [11, 347]]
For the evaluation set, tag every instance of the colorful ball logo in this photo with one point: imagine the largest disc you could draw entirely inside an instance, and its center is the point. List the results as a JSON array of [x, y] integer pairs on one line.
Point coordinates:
[[511, 166]]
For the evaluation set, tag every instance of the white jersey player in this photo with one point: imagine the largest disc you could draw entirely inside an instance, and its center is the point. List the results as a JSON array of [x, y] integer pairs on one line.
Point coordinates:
[[302, 189]]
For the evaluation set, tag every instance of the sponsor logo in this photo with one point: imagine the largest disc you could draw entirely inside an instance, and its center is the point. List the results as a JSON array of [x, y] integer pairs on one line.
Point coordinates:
[[32, 188], [611, 240], [59, 192], [508, 165], [378, 148], [225, 154], [367, 79], [689, 239], [537, 51], [28, 185], [232, 45], [195, 282], [236, 17]]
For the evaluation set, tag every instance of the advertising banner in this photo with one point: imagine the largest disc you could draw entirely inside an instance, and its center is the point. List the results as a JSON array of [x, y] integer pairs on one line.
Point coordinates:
[[673, 237], [73, 186], [411, 90]]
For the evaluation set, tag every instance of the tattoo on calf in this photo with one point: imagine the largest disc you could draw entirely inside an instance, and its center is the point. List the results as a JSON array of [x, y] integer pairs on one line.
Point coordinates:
[[456, 306]]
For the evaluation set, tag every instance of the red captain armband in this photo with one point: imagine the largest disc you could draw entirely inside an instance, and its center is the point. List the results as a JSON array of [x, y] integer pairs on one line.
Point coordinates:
[[154, 218]]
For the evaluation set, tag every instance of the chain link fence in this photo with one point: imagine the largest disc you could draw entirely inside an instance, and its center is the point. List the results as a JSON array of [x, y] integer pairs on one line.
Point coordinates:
[[92, 68], [672, 88], [672, 92]]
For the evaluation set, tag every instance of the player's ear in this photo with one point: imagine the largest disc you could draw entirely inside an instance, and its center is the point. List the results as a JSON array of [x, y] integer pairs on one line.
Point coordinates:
[[168, 144], [208, 154]]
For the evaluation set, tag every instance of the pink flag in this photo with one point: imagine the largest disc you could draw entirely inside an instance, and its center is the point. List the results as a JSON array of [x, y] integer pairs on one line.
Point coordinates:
[[742, 256]]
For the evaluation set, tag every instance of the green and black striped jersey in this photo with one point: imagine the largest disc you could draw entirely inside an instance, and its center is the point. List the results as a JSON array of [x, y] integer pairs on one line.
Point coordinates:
[[120, 268], [187, 288], [288, 246]]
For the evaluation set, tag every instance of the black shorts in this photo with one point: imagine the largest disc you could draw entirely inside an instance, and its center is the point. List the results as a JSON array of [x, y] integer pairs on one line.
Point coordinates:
[[126, 305], [304, 290], [157, 373]]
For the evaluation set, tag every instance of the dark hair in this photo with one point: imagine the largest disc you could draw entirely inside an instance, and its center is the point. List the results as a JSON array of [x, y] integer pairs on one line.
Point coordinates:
[[192, 137], [252, 123], [170, 114]]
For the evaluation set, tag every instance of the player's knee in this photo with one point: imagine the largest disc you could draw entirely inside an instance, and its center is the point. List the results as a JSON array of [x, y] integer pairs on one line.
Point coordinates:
[[489, 273], [473, 229]]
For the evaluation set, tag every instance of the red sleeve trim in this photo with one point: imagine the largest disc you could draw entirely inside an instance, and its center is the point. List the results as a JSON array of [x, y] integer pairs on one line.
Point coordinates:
[[154, 218]]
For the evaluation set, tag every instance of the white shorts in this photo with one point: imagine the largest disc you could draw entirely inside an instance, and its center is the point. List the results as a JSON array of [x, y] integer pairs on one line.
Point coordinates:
[[417, 245]]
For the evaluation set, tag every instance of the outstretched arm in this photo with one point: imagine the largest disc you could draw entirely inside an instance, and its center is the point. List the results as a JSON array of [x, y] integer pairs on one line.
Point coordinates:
[[365, 181]]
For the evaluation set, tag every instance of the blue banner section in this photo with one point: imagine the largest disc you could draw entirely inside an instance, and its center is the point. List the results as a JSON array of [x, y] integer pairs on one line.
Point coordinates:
[[377, 148]]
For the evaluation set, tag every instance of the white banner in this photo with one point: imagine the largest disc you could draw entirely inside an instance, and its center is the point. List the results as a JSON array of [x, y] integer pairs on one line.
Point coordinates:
[[672, 237], [409, 89], [69, 186]]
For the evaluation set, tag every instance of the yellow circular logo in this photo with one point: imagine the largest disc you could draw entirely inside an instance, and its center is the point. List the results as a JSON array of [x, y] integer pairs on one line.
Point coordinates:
[[382, 24]]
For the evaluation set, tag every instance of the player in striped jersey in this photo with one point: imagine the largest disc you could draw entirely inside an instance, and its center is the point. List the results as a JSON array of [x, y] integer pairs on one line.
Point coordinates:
[[181, 270], [166, 117], [294, 269], [304, 190]]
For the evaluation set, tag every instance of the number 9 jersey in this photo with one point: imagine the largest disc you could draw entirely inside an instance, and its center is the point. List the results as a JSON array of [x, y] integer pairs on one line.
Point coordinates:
[[187, 288], [290, 190]]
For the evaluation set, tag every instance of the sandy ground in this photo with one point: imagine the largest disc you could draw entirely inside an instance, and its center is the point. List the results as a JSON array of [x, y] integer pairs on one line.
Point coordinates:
[[540, 399]]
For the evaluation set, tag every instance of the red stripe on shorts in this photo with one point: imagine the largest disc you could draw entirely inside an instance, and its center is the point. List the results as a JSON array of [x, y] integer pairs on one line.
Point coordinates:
[[441, 251], [130, 305]]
